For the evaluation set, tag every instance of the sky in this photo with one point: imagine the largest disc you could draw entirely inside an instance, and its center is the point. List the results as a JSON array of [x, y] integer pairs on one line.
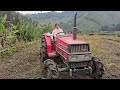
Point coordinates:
[[32, 12]]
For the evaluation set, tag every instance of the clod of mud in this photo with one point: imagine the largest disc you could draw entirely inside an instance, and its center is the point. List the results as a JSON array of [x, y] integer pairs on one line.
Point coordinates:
[[117, 54], [113, 75]]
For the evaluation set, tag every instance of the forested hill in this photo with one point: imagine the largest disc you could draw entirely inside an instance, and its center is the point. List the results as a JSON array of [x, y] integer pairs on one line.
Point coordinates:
[[42, 17], [14, 17], [86, 20]]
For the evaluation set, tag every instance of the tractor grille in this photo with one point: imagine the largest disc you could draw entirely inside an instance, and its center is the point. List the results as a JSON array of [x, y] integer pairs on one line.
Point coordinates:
[[79, 48]]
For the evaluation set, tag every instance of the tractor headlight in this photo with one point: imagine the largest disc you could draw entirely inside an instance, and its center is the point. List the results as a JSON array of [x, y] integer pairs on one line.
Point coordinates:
[[73, 57], [80, 57]]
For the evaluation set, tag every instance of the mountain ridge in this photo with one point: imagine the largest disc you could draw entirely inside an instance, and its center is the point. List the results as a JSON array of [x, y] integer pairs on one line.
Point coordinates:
[[86, 20]]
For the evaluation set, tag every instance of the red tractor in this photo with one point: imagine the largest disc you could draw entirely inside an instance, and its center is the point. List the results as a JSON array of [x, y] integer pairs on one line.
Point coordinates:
[[67, 53]]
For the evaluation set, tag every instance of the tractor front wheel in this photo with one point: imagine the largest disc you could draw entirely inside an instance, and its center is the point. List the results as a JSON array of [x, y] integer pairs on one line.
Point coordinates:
[[97, 68], [50, 70]]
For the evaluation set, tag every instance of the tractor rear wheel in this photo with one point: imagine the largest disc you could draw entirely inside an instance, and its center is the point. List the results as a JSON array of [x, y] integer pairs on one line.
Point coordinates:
[[43, 56], [97, 68], [43, 50], [50, 70]]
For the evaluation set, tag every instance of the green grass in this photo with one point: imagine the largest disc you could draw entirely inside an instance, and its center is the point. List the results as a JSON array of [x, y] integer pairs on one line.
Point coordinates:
[[7, 52]]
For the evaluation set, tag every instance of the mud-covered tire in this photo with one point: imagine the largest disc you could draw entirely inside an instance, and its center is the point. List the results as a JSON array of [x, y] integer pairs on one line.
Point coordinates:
[[43, 56], [97, 68], [43, 50], [50, 70]]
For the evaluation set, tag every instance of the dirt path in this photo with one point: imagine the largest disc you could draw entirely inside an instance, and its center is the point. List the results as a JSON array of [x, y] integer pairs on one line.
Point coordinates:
[[22, 65]]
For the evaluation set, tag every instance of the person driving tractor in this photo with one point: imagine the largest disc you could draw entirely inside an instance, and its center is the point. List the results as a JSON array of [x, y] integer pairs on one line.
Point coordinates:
[[55, 32]]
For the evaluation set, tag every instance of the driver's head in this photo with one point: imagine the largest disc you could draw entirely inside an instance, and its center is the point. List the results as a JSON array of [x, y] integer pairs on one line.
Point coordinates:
[[57, 25]]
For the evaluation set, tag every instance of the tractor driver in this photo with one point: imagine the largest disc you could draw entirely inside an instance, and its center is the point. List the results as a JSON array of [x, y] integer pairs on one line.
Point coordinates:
[[56, 30]]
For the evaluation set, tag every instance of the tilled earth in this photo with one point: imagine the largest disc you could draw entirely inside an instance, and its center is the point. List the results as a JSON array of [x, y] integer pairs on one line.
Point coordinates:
[[24, 64]]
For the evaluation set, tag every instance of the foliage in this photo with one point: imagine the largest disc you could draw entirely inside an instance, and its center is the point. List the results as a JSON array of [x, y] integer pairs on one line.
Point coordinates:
[[15, 27], [8, 52], [11, 50]]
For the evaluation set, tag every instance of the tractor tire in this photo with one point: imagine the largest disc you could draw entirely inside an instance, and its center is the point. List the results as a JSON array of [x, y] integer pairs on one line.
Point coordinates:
[[43, 50], [43, 56], [50, 70], [97, 68]]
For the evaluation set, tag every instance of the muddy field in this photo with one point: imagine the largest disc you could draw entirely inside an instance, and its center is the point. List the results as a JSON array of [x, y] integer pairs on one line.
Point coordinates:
[[26, 64]]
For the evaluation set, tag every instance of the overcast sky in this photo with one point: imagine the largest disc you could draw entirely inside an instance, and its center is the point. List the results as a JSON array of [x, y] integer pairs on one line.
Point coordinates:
[[32, 12]]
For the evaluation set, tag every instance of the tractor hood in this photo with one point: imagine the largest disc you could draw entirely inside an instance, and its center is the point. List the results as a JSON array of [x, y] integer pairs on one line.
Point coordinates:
[[69, 40]]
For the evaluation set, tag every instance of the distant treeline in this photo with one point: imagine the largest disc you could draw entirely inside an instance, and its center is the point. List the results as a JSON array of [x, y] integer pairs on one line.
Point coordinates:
[[113, 27]]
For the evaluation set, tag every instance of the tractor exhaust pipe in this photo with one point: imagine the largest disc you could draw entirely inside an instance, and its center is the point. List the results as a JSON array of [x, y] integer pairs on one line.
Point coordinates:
[[75, 28]]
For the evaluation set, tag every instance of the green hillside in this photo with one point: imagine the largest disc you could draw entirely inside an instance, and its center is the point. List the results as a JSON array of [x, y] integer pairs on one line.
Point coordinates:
[[87, 21]]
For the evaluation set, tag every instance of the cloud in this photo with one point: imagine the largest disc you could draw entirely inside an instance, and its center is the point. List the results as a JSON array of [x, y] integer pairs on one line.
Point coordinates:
[[33, 12]]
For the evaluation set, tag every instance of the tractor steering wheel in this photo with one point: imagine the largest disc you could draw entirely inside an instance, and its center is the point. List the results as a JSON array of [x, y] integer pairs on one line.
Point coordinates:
[[60, 34]]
